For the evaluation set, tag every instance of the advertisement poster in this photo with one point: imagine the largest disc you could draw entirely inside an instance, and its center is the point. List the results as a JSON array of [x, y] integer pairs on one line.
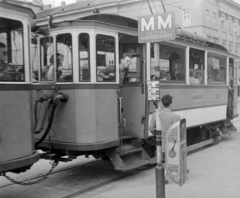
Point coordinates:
[[153, 90], [176, 152]]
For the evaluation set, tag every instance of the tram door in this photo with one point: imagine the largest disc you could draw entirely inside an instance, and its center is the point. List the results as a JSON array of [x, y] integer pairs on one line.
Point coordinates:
[[132, 91], [231, 92]]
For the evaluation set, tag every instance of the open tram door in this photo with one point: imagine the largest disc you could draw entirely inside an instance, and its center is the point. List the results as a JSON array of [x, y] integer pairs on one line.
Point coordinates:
[[132, 108], [232, 93], [232, 98]]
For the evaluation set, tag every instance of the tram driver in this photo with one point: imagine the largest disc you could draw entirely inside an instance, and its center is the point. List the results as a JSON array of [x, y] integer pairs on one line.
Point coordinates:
[[108, 74], [7, 71], [48, 71]]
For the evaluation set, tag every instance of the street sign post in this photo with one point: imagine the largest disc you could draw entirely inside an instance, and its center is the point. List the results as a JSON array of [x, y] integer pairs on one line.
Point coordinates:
[[156, 28]]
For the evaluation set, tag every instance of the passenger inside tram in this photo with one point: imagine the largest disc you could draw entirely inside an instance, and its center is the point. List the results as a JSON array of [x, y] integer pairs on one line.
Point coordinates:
[[193, 77], [48, 71], [7, 71]]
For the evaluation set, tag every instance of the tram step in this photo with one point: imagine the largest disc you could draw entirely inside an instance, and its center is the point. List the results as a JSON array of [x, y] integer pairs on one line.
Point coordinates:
[[135, 164], [129, 150], [129, 156]]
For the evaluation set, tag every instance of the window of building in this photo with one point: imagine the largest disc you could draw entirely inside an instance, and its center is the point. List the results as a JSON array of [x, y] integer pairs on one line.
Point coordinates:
[[224, 43], [207, 18], [106, 64], [84, 57], [196, 66], [186, 18], [64, 71], [214, 20], [11, 51], [236, 49], [223, 22], [230, 48], [216, 68], [172, 63], [230, 28], [236, 27]]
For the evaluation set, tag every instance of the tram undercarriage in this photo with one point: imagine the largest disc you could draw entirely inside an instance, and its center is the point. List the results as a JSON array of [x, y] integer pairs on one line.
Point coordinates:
[[131, 153]]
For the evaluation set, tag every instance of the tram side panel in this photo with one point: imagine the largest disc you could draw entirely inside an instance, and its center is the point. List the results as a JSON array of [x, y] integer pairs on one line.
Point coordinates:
[[198, 104], [16, 125], [89, 117]]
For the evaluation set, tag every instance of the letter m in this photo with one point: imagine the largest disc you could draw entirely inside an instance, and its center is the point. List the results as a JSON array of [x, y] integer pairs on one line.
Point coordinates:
[[164, 24], [148, 25]]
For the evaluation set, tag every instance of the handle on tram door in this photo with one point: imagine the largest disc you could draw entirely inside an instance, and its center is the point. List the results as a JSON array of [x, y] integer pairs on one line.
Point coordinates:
[[144, 76]]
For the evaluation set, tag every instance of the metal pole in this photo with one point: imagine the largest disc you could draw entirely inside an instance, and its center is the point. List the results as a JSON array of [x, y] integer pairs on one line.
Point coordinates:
[[159, 170]]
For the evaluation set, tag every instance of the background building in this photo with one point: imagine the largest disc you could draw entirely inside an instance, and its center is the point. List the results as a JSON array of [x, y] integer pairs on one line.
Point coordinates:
[[218, 19]]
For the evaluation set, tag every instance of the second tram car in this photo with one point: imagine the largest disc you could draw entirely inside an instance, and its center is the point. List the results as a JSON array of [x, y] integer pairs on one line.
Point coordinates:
[[106, 119], [17, 152]]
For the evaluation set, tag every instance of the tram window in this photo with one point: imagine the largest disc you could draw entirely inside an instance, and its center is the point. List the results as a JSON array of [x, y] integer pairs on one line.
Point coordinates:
[[46, 59], [34, 60], [216, 68], [134, 73], [11, 50], [105, 48], [84, 57], [172, 63], [64, 58], [196, 66]]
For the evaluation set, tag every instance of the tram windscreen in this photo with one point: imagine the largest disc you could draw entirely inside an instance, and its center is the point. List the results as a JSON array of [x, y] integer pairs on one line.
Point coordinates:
[[11, 50], [64, 58], [105, 49]]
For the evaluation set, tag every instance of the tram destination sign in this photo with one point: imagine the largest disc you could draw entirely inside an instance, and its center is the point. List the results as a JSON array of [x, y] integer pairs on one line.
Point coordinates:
[[155, 28]]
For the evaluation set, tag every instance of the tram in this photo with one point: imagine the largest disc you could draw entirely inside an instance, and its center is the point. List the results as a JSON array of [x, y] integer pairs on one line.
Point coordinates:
[[17, 151], [105, 119]]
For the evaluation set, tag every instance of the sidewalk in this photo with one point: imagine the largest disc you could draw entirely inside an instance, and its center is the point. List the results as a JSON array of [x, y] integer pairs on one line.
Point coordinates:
[[214, 173]]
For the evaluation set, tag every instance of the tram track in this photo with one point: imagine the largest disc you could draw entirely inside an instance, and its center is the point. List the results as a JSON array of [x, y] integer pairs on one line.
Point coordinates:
[[54, 172], [97, 186]]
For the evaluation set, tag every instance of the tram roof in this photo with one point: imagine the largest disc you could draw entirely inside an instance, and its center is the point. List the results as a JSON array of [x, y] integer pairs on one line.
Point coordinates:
[[75, 7], [18, 8]]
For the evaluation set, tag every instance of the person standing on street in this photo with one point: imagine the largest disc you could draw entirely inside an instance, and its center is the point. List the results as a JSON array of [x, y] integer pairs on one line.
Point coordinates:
[[167, 119]]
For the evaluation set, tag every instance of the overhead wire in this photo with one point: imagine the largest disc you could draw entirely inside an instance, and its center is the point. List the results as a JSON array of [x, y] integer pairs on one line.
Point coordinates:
[[154, 6]]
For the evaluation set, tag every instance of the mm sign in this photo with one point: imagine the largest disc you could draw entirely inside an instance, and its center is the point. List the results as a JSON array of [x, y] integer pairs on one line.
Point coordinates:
[[155, 28]]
